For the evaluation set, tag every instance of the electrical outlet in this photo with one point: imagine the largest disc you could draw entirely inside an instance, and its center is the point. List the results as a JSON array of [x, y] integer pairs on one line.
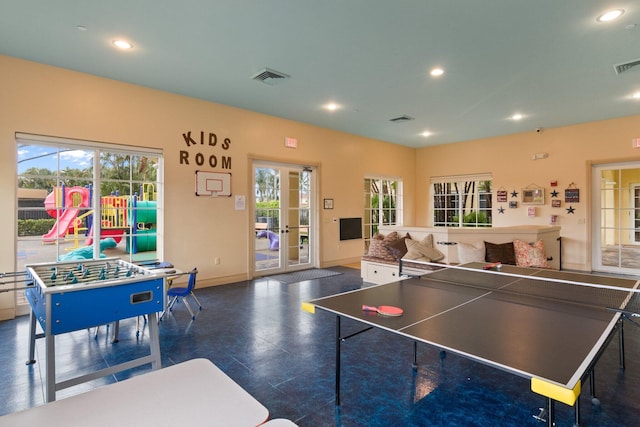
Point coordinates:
[[216, 261]]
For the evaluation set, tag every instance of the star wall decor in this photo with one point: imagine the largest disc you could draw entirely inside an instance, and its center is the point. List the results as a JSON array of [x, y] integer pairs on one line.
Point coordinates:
[[514, 193], [571, 210], [501, 210], [554, 193]]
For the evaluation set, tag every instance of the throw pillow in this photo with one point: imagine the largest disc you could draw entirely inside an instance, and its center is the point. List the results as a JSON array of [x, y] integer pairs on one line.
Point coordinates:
[[530, 255], [398, 248], [423, 250], [470, 252], [503, 253], [377, 246]]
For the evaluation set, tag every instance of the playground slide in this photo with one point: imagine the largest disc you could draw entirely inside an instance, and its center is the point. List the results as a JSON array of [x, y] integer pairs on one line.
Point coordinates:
[[68, 215], [61, 226]]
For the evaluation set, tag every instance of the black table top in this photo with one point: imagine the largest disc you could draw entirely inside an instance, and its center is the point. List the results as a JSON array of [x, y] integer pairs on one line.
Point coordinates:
[[531, 336]]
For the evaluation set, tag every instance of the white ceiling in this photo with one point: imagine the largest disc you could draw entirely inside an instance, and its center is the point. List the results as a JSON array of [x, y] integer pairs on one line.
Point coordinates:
[[546, 59]]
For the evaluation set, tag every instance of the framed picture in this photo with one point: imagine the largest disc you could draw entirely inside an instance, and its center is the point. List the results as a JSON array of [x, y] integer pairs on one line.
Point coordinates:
[[328, 203], [572, 195], [556, 203], [513, 205], [533, 196]]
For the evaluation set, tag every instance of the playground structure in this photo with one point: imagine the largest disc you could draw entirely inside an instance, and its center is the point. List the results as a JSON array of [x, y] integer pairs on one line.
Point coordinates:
[[133, 217]]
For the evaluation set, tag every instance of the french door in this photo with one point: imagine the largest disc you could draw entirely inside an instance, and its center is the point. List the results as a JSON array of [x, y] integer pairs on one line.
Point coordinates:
[[616, 213], [284, 217]]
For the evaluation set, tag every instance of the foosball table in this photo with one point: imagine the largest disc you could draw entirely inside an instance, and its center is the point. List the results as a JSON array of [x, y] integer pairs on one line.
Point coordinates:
[[75, 295]]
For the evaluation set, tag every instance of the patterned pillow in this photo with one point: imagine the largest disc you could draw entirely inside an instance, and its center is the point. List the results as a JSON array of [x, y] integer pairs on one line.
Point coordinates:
[[470, 252], [377, 246], [530, 255]]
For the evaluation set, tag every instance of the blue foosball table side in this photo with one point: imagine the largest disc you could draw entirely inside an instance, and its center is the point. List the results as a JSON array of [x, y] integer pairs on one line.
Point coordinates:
[[101, 291]]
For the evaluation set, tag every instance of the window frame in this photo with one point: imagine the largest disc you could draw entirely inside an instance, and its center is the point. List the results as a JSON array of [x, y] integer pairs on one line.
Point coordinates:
[[135, 157], [475, 210], [374, 217]]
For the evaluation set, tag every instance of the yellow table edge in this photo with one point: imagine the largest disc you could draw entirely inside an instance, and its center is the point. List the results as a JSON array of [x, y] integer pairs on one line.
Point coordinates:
[[307, 306], [555, 391]]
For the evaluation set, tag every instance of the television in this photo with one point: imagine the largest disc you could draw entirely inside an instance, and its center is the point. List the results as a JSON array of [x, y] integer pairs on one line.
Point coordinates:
[[350, 228]]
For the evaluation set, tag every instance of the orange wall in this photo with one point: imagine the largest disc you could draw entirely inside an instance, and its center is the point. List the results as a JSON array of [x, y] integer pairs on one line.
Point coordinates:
[[45, 100], [571, 149], [40, 99]]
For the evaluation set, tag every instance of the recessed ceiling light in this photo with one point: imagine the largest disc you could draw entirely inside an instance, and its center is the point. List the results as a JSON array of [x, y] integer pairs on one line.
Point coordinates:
[[122, 44], [517, 116], [332, 106], [436, 72], [610, 15], [426, 133]]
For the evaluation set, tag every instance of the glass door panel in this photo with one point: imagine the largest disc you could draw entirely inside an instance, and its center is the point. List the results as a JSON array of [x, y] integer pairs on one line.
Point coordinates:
[[283, 218], [617, 216], [267, 218]]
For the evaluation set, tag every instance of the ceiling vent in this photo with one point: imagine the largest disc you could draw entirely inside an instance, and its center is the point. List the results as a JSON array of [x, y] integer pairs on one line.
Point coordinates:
[[401, 119], [621, 68], [270, 77]]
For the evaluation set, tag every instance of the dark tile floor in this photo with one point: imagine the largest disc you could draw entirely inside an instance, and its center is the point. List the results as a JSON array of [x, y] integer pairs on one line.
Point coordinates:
[[256, 332]]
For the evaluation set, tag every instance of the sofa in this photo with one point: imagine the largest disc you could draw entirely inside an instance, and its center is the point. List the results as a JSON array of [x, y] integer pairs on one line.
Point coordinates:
[[533, 246]]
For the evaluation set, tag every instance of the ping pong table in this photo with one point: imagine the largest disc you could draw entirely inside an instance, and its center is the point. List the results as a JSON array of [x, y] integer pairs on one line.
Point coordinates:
[[544, 325]]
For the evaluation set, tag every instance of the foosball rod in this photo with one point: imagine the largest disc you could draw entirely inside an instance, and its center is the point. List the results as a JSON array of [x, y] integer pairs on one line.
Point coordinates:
[[14, 276]]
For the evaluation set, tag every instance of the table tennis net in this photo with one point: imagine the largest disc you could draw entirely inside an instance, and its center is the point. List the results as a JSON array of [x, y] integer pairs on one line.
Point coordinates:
[[606, 292]]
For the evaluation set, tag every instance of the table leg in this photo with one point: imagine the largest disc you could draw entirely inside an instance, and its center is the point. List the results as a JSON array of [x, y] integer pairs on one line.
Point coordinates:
[[338, 340], [115, 334], [50, 349], [551, 412], [415, 355], [32, 339], [154, 341]]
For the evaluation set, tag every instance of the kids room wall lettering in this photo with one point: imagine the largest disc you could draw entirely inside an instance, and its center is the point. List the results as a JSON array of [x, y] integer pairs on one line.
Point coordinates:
[[203, 149]]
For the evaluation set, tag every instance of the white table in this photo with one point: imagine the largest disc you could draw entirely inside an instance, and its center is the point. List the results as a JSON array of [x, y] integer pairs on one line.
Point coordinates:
[[279, 422], [194, 393]]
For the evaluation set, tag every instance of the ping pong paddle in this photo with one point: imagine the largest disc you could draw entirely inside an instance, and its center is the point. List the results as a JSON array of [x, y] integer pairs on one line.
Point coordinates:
[[385, 310], [497, 265]]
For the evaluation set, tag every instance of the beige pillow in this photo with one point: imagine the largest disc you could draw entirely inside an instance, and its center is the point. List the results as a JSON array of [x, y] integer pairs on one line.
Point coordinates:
[[471, 252], [423, 250]]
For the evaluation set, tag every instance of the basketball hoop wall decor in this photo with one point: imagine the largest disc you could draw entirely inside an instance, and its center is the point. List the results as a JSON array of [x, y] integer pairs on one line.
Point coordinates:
[[213, 184]]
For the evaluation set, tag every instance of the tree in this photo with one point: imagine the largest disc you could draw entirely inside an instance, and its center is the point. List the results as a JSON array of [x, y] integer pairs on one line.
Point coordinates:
[[267, 185], [40, 178], [120, 171]]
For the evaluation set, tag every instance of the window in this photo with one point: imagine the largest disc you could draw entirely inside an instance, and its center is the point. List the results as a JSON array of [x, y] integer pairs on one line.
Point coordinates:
[[382, 205], [59, 180], [462, 201]]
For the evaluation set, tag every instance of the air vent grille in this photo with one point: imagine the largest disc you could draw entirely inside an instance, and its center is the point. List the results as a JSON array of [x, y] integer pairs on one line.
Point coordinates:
[[401, 119], [270, 77], [621, 68]]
